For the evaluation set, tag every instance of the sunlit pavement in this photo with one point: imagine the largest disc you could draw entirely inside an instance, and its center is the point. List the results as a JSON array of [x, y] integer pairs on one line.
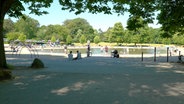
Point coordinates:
[[94, 80]]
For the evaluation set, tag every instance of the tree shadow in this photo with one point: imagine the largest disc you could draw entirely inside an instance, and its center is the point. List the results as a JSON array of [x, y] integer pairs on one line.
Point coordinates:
[[147, 82]]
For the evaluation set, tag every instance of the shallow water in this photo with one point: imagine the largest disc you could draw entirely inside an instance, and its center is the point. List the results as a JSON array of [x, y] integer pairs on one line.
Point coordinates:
[[121, 50]]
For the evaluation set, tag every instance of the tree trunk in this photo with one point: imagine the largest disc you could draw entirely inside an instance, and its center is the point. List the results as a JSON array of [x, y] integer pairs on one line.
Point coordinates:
[[3, 63], [5, 5]]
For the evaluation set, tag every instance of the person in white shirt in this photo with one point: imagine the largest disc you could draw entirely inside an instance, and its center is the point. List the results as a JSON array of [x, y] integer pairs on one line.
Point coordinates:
[[70, 56], [78, 55]]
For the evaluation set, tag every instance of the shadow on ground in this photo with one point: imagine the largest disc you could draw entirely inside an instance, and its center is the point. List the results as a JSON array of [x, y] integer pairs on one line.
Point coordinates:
[[95, 80]]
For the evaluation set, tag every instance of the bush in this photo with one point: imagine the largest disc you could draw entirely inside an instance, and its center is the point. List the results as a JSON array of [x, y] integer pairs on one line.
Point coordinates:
[[5, 74], [37, 63]]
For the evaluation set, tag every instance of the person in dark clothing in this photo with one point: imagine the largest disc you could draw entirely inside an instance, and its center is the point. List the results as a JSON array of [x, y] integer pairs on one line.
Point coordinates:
[[115, 53]]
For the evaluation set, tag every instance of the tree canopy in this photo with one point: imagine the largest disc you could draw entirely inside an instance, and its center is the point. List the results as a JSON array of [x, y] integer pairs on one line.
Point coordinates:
[[28, 26], [78, 24], [170, 12]]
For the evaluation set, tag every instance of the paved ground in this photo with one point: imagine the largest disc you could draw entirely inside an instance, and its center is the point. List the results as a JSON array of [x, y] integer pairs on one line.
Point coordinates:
[[94, 80]]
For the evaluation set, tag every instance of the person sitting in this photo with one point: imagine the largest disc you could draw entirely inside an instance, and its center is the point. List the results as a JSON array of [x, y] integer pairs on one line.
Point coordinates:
[[78, 56], [70, 56]]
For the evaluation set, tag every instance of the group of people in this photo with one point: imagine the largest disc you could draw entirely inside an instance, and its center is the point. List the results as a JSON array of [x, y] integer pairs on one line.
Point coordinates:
[[104, 49], [70, 56], [114, 53]]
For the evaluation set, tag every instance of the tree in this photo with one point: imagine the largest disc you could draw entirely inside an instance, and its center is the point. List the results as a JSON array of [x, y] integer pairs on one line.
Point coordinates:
[[170, 13], [58, 31], [171, 16], [22, 37], [69, 39], [166, 41], [117, 32], [8, 26], [135, 23], [14, 8], [136, 39], [127, 36], [108, 35], [78, 27], [97, 39], [27, 26], [11, 36], [78, 35], [53, 39], [82, 39], [41, 33]]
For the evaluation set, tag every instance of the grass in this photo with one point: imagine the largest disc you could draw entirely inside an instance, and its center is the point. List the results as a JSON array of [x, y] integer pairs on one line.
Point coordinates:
[[5, 74]]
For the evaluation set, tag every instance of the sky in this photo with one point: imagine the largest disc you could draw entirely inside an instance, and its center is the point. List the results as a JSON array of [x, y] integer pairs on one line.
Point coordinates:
[[97, 21]]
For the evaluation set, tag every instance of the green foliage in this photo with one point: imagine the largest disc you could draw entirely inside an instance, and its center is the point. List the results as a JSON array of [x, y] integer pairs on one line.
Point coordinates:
[[69, 39], [171, 15], [27, 26], [12, 36], [8, 26], [58, 31], [41, 33], [22, 37], [127, 36], [53, 39], [118, 32], [78, 35], [170, 11], [93, 6], [166, 40], [115, 34], [5, 74], [83, 39], [96, 39], [16, 8], [77, 27], [136, 39], [178, 39], [141, 13], [135, 23], [106, 35]]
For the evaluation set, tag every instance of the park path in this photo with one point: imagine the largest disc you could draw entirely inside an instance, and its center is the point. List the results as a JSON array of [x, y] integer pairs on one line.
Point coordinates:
[[94, 80]]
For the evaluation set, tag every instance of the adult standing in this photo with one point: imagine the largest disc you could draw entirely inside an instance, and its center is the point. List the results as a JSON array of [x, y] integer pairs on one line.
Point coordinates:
[[65, 49], [106, 49], [88, 48]]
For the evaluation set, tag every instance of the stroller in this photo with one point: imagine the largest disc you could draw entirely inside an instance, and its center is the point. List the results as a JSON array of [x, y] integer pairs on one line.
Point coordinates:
[[115, 54]]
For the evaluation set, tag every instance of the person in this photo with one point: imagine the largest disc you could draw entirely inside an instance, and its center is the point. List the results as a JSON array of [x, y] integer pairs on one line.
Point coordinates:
[[101, 49], [88, 51], [70, 56], [180, 59], [106, 49], [115, 53], [65, 49], [78, 55]]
